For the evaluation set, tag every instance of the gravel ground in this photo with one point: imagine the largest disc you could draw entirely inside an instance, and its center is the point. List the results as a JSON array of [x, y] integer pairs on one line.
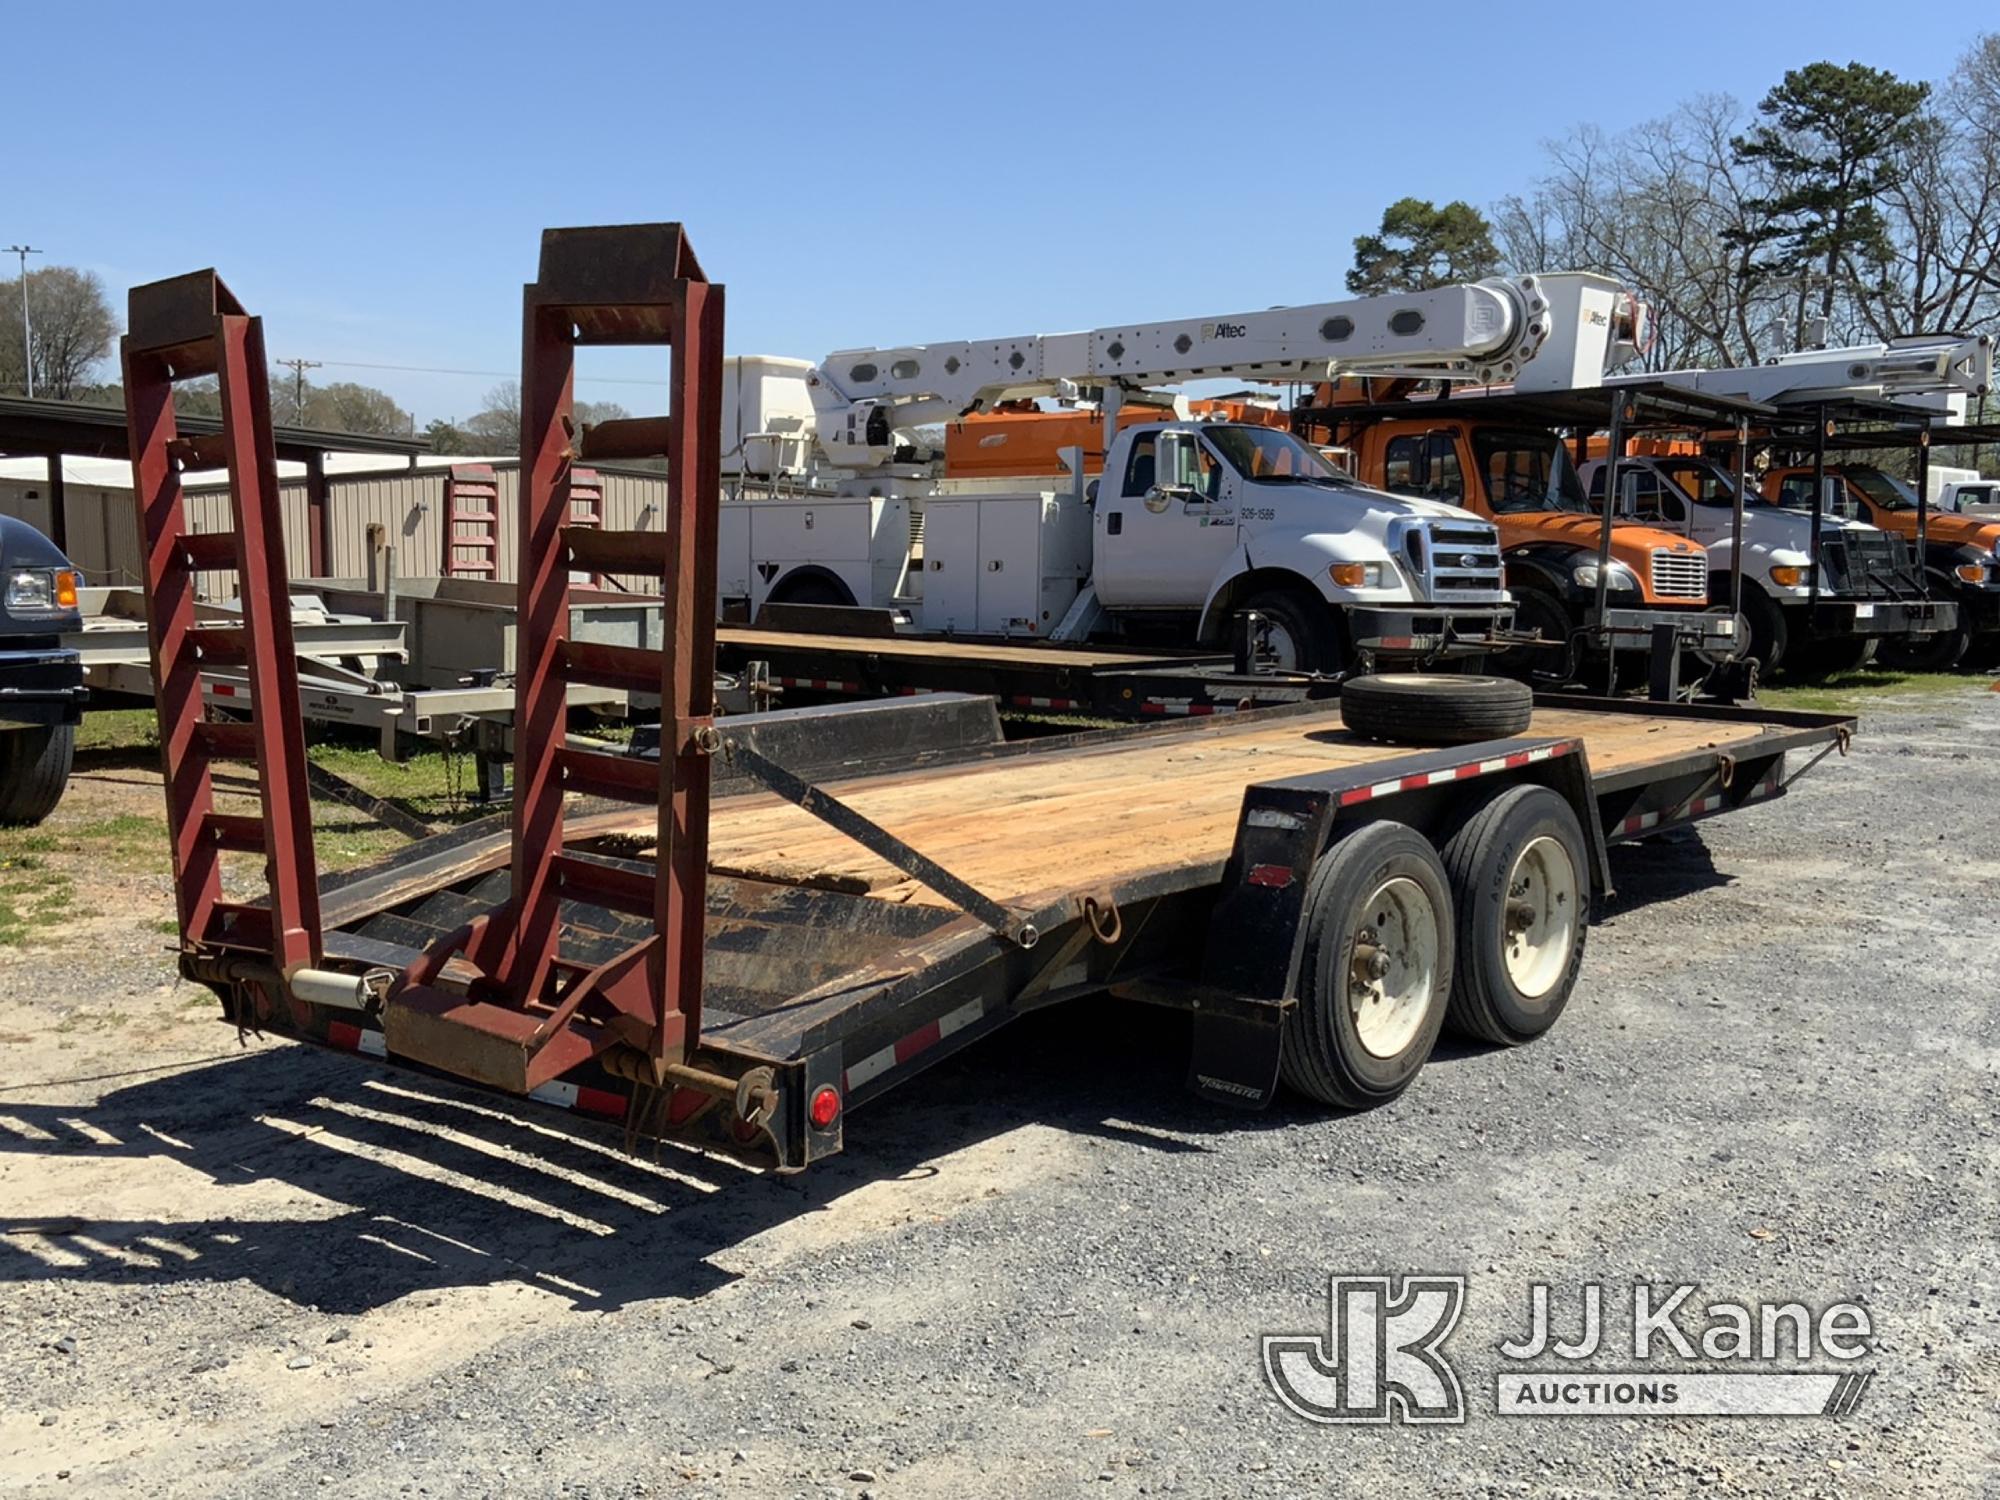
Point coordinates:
[[255, 1270]]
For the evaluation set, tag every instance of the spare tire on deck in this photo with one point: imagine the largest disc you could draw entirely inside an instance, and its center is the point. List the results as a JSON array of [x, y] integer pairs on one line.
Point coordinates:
[[1417, 708]]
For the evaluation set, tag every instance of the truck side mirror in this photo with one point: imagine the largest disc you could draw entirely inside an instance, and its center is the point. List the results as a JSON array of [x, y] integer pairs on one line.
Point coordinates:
[[1090, 493]]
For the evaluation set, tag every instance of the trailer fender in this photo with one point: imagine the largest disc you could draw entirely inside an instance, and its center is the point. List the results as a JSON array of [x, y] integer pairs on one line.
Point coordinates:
[[1250, 967]]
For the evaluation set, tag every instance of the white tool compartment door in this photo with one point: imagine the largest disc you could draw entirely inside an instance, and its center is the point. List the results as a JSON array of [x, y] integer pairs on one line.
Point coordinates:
[[951, 564], [1166, 525], [1010, 564]]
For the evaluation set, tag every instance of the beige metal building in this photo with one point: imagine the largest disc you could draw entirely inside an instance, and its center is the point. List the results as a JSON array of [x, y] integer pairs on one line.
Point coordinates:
[[372, 500]]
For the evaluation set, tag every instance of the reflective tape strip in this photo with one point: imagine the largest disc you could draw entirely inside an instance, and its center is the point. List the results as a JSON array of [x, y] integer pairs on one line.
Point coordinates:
[[1471, 768], [905, 1049], [1698, 808], [1025, 700], [819, 684]]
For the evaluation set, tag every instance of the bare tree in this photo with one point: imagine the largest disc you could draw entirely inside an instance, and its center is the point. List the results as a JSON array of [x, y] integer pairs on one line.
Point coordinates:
[[1658, 207], [73, 330]]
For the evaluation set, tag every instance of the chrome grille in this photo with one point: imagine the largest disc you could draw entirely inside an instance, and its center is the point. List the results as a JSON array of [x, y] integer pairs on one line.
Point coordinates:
[[1680, 575], [1463, 561]]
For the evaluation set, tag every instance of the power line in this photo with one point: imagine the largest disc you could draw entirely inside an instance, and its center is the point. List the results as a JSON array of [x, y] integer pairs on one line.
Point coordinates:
[[355, 364], [298, 367]]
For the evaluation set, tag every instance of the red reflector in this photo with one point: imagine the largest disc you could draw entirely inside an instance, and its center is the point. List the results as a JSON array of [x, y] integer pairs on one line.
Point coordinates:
[[825, 1106], [1275, 876]]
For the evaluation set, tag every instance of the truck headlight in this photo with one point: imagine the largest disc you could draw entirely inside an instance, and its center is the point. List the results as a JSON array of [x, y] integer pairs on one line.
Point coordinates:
[[1356, 575], [1788, 576], [45, 591], [1618, 578], [1971, 572]]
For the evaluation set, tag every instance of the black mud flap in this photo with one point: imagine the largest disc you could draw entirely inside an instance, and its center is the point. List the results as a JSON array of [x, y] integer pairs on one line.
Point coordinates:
[[1234, 1058]]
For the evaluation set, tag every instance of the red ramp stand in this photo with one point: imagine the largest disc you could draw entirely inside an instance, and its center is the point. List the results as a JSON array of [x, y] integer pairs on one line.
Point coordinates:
[[183, 328], [531, 1014]]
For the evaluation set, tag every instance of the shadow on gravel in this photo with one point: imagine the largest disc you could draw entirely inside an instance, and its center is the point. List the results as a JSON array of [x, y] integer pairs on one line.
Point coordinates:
[[1668, 867], [400, 1183]]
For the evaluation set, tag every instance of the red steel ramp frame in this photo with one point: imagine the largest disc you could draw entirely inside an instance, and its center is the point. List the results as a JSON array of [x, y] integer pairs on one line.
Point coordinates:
[[181, 329], [531, 1014]]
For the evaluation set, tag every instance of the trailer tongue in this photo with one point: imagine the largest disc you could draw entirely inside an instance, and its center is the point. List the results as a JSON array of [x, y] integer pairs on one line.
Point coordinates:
[[746, 968]]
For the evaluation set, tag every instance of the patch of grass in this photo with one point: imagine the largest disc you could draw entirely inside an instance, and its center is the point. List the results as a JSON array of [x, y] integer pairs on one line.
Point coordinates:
[[119, 729], [1850, 692], [430, 784], [39, 901]]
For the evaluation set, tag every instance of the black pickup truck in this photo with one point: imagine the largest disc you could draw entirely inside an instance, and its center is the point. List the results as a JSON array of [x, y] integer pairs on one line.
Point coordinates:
[[41, 680]]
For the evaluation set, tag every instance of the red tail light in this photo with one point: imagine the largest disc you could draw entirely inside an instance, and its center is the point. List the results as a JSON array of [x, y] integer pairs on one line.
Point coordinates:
[[825, 1106]]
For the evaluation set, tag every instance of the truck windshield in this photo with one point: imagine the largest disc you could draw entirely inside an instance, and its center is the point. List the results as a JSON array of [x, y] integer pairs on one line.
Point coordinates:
[[1265, 453], [1882, 490], [1527, 471], [1704, 481]]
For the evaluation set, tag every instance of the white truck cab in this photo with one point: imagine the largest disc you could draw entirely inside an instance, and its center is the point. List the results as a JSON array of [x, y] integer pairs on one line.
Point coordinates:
[[1204, 519], [1963, 497], [1866, 589]]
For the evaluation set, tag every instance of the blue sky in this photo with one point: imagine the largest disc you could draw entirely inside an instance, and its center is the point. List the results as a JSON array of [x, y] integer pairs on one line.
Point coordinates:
[[373, 179]]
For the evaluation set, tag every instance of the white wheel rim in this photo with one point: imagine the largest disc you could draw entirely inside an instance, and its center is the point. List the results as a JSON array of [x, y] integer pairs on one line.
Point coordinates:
[[1284, 650], [1538, 928], [1392, 966]]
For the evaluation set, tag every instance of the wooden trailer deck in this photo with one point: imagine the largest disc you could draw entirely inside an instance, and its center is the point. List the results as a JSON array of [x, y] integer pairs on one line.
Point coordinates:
[[1026, 828]]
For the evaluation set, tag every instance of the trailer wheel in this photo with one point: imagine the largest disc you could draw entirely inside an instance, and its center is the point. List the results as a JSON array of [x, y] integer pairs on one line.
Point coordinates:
[[1518, 885], [34, 769], [1376, 972], [1416, 708], [1299, 631]]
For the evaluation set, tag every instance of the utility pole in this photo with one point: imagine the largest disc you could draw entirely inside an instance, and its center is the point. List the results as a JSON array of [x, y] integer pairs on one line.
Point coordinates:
[[298, 367], [27, 327]]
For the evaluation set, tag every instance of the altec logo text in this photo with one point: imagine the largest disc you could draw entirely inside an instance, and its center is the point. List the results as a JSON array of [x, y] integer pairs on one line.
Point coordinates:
[[1382, 1358], [1225, 330]]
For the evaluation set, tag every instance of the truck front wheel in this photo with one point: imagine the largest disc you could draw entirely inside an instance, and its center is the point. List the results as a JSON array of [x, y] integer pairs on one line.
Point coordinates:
[[1518, 885], [1298, 632], [1376, 972], [1931, 653], [34, 769]]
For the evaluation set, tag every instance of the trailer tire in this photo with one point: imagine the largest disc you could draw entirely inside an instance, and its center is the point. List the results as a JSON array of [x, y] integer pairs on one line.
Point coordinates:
[[1305, 622], [1513, 977], [34, 768], [1375, 976], [1416, 708]]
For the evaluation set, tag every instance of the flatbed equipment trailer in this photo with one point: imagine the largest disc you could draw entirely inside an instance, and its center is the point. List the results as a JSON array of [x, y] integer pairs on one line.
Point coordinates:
[[744, 969], [1095, 681]]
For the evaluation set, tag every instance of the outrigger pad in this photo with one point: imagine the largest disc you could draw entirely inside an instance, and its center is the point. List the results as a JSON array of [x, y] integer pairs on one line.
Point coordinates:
[[1233, 1060]]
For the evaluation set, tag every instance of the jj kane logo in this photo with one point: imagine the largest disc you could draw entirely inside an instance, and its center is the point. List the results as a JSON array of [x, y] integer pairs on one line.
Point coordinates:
[[1382, 1357]]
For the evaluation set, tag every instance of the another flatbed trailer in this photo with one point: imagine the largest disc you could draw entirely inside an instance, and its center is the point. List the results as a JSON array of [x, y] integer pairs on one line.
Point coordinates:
[[744, 968], [1095, 681]]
